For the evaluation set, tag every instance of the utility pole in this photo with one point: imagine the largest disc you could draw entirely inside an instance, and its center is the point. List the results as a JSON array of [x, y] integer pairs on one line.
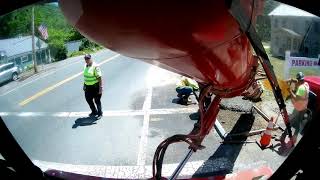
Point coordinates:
[[33, 45]]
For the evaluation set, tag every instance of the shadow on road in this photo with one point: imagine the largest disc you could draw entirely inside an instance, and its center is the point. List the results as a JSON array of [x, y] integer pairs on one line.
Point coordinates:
[[5, 83], [178, 101], [283, 149], [84, 121], [195, 116], [223, 159]]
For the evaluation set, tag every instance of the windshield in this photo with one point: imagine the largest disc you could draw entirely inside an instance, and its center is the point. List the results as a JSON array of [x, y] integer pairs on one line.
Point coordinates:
[[92, 104]]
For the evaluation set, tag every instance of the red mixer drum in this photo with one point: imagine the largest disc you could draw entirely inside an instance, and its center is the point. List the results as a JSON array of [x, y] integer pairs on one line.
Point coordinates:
[[198, 39]]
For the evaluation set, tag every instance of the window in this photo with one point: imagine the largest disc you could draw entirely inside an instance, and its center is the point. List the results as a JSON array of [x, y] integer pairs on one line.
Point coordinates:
[[18, 60], [316, 27], [275, 23], [277, 40], [306, 25], [288, 43], [295, 44], [284, 23], [24, 59], [316, 47], [6, 67], [306, 50], [30, 57]]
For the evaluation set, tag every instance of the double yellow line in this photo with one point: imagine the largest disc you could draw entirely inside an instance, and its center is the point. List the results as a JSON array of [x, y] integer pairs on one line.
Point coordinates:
[[54, 86]]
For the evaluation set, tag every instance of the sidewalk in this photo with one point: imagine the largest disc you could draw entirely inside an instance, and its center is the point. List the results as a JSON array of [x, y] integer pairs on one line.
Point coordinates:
[[54, 65]]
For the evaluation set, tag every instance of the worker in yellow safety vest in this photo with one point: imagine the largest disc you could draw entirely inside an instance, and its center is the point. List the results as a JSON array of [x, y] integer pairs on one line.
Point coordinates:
[[299, 99], [185, 86], [93, 86]]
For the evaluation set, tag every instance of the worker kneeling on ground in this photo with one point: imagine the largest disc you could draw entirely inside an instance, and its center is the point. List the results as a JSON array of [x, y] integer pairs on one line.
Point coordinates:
[[185, 87], [93, 86], [299, 98]]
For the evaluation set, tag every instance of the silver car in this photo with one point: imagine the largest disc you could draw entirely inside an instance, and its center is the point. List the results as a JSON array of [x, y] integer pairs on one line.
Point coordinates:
[[8, 72]]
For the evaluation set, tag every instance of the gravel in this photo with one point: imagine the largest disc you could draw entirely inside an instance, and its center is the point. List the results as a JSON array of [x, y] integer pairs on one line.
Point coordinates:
[[236, 104]]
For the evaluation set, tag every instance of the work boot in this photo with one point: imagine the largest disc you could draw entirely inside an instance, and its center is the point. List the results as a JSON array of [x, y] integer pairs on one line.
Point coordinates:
[[99, 115], [92, 114], [189, 100]]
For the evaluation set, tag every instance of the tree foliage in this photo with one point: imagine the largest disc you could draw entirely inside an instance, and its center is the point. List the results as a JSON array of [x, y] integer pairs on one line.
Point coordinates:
[[263, 25], [18, 23], [86, 44]]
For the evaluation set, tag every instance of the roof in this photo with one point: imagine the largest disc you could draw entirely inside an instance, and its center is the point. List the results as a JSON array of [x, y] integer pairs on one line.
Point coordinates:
[[19, 45], [291, 32], [286, 10]]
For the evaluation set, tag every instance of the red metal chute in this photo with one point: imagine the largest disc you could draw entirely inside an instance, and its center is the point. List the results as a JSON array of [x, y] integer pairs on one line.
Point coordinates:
[[199, 39]]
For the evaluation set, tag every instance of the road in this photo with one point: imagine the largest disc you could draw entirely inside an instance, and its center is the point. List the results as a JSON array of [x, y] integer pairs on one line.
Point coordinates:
[[47, 114]]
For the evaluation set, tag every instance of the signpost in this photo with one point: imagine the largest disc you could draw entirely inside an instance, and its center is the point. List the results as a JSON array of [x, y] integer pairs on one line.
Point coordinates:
[[299, 62], [33, 44]]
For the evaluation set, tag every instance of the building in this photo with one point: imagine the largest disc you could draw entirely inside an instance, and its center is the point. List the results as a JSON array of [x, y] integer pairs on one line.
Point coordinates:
[[19, 51], [295, 30]]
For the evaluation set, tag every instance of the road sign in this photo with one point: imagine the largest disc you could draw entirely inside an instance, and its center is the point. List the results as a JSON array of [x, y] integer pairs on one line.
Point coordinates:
[[300, 62]]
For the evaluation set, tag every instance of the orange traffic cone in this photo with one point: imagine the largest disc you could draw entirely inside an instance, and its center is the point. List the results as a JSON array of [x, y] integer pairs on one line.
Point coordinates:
[[266, 137]]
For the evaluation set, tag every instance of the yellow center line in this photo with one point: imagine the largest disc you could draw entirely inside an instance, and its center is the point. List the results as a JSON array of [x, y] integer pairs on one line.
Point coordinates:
[[52, 87]]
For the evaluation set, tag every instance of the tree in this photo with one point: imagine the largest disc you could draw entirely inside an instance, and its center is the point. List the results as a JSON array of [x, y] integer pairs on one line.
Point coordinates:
[[18, 23], [57, 43], [86, 44], [74, 35], [269, 6], [263, 25]]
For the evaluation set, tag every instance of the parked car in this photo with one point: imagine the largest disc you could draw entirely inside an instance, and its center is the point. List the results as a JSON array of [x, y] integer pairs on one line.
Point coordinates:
[[8, 72]]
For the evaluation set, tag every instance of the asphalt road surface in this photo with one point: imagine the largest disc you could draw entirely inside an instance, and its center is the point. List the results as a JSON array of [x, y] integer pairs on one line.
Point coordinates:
[[47, 114]]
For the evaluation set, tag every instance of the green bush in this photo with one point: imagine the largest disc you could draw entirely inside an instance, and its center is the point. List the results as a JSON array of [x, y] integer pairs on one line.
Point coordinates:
[[56, 43], [86, 44], [77, 53], [61, 53], [83, 52], [263, 28], [86, 47], [58, 51], [28, 67]]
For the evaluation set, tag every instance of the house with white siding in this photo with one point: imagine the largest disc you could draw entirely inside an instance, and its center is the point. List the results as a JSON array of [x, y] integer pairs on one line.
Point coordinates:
[[295, 30], [19, 51]]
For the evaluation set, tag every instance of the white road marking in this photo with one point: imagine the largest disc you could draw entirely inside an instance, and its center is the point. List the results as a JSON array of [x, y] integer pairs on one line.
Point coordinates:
[[142, 154], [155, 77], [140, 172], [219, 129], [174, 111], [61, 114], [105, 113], [123, 172]]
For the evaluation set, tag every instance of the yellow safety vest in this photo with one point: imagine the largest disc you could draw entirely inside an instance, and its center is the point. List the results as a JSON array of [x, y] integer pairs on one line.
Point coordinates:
[[302, 104], [90, 76], [188, 82]]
